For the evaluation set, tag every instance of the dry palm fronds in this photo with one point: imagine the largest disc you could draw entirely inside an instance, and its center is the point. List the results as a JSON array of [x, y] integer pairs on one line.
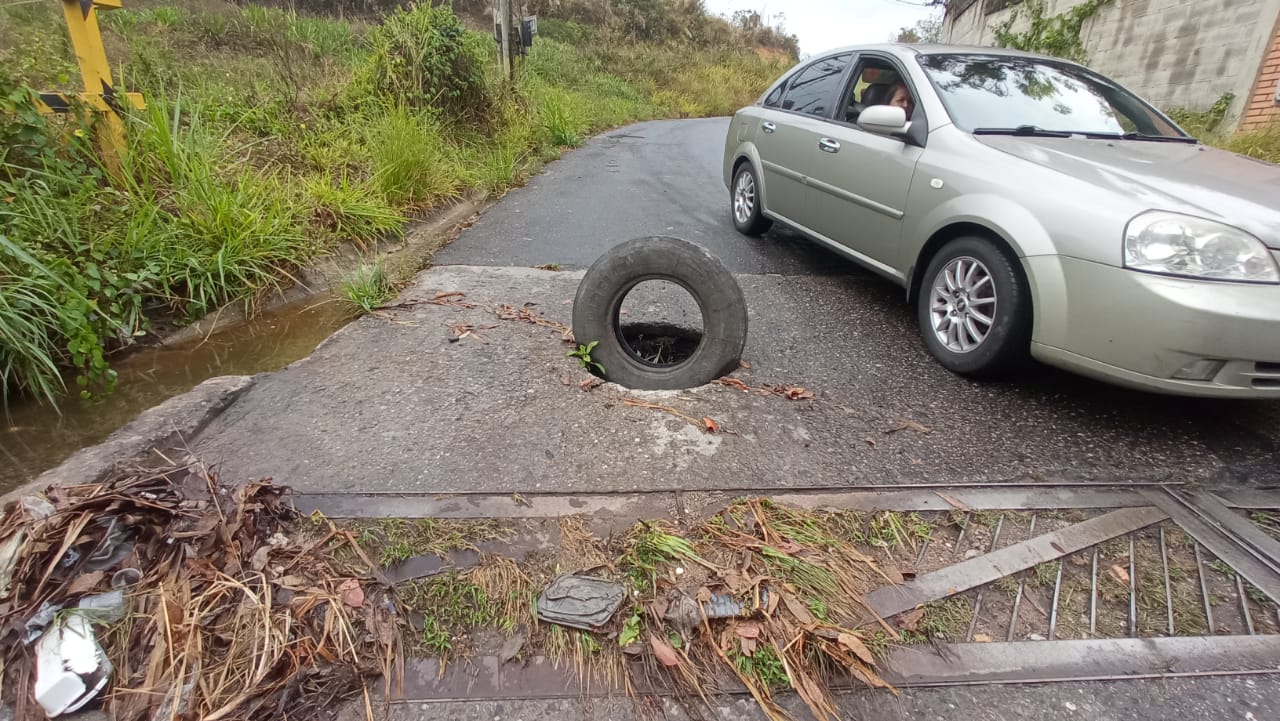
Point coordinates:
[[242, 610]]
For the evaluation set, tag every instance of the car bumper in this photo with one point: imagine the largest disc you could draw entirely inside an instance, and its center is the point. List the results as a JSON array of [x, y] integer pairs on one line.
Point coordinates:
[[1145, 331]]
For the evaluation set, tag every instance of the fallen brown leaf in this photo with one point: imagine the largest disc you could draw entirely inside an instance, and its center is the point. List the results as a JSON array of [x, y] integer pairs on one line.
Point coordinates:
[[743, 364], [590, 384], [794, 393], [856, 647], [1120, 574], [981, 638], [352, 594], [871, 441], [663, 651], [1079, 561], [733, 383], [748, 646], [703, 595], [909, 425], [448, 294], [84, 583], [709, 425], [789, 547], [747, 629], [910, 620], [797, 608]]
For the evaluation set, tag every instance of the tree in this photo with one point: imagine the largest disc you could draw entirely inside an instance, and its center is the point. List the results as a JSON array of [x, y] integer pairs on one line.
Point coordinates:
[[927, 30]]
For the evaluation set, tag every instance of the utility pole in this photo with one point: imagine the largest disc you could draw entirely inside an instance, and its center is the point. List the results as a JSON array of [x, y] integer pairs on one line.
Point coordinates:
[[504, 22]]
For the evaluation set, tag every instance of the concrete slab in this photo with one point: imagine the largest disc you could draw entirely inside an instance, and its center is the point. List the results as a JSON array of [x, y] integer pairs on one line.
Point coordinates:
[[388, 403]]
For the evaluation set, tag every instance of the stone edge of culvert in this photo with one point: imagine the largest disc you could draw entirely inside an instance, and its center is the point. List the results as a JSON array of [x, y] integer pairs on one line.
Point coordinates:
[[181, 417]]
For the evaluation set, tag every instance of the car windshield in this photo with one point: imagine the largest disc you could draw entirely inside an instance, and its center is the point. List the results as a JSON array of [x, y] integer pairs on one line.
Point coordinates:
[[1029, 96]]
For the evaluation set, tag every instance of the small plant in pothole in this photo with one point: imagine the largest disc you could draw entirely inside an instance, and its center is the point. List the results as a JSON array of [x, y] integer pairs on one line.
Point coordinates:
[[583, 354]]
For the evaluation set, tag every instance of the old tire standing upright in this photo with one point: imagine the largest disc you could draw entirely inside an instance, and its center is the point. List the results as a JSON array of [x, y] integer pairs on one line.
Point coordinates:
[[597, 312]]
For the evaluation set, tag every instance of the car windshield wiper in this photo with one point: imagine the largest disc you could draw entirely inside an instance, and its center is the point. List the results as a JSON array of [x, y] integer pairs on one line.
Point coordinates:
[[1023, 130], [1141, 136]]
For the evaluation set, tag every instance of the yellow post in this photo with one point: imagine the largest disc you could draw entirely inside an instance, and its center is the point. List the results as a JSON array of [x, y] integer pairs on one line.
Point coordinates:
[[86, 39]]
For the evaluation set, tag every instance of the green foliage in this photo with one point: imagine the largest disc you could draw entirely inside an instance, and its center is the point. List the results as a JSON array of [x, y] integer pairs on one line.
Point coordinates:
[[1202, 123], [366, 287], [926, 30], [630, 632], [1056, 35], [422, 56], [564, 124], [352, 210], [413, 164], [764, 666], [583, 354]]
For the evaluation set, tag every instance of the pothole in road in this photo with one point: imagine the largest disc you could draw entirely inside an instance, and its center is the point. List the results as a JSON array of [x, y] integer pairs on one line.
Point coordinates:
[[660, 323]]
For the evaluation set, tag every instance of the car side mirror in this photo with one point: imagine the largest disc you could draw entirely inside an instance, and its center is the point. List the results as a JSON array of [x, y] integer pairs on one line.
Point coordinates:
[[884, 120]]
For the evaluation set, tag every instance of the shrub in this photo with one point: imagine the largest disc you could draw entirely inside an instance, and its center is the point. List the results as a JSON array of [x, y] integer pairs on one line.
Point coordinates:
[[413, 164], [423, 57], [354, 211]]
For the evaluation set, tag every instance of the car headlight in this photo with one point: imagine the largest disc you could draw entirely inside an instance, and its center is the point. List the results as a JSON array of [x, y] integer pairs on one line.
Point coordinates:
[[1184, 245]]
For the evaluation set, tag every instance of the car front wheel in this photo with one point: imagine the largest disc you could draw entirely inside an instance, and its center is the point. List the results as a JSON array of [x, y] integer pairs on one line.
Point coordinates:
[[974, 309], [745, 202]]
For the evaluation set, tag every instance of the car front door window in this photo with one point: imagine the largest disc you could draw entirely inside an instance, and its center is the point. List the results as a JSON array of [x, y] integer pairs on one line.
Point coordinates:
[[815, 88]]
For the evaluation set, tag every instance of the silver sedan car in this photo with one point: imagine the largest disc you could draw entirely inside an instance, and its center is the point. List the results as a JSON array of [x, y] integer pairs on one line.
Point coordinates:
[[1029, 206]]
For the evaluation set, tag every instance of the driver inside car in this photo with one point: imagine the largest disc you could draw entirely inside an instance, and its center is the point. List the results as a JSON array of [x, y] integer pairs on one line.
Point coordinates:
[[900, 97]]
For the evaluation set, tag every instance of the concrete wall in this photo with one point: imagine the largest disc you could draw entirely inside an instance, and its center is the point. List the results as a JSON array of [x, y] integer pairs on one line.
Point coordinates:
[[1176, 53], [1263, 105]]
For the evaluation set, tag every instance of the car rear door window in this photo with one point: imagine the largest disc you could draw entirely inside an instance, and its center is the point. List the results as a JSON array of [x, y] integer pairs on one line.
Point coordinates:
[[816, 87]]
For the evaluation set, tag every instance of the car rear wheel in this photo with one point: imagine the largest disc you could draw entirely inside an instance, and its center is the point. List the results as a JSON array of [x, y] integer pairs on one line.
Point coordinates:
[[974, 309], [745, 202]]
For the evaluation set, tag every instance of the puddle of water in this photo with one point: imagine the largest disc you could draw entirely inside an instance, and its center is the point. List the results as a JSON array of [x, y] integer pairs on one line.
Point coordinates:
[[35, 438]]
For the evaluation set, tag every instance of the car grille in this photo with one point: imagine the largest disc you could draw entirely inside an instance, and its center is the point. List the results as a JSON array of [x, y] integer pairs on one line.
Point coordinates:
[[1266, 375]]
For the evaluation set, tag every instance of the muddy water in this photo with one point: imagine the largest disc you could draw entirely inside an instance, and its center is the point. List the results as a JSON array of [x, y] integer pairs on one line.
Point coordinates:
[[36, 437]]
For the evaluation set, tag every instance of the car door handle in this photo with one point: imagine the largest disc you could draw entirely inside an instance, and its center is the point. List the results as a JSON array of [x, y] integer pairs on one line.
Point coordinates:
[[827, 145], [768, 127]]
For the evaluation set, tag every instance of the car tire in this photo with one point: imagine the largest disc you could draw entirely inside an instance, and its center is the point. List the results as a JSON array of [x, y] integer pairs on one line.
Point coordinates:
[[982, 284], [598, 304], [744, 202]]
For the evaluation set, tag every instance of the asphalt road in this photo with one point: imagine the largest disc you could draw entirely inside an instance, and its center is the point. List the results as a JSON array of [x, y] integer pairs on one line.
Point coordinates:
[[664, 177]]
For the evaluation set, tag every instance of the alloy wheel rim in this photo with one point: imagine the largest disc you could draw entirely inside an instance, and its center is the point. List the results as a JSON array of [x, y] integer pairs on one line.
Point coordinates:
[[962, 304], [744, 198]]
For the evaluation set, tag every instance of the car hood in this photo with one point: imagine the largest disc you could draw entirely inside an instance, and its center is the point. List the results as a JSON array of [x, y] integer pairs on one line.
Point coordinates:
[[1180, 177]]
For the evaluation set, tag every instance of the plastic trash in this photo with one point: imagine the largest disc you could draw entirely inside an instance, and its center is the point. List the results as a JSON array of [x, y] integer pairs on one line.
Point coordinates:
[[36, 625], [71, 667], [580, 601], [722, 605], [104, 607]]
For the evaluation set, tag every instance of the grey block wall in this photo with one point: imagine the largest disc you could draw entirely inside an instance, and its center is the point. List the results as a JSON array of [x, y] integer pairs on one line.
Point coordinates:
[[1176, 53]]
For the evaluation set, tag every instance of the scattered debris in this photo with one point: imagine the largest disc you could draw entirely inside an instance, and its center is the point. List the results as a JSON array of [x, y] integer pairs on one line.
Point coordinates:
[[910, 620], [709, 424], [524, 314], [548, 266], [790, 392], [871, 441], [637, 403], [909, 425], [590, 384], [235, 607], [464, 330], [582, 602]]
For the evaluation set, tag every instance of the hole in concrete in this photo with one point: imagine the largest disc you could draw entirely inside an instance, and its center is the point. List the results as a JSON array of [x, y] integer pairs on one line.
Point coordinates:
[[659, 344], [661, 323]]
